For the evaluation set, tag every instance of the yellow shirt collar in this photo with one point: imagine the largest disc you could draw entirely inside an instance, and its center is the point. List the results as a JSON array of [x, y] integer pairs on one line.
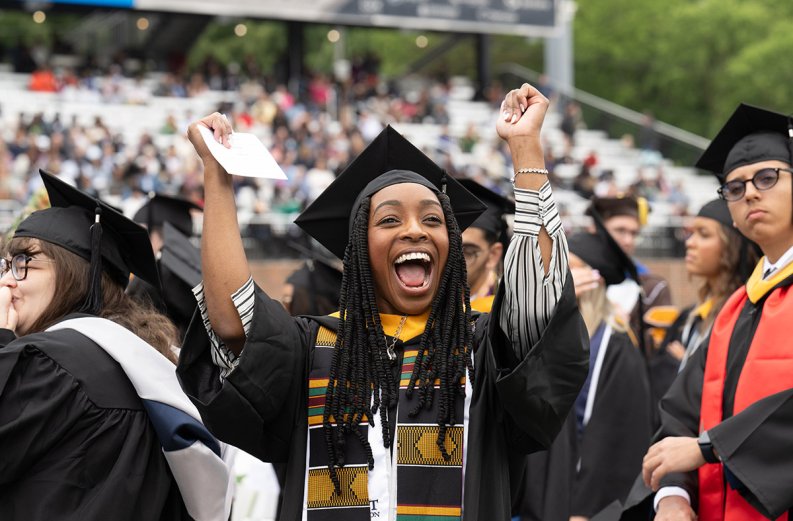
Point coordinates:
[[704, 309], [757, 288], [413, 327]]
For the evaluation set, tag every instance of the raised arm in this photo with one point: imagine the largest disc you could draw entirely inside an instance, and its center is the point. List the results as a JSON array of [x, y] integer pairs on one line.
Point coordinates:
[[522, 113], [223, 260], [535, 266]]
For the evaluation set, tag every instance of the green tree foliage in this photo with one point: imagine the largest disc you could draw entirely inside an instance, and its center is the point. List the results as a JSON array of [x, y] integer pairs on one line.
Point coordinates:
[[690, 62], [264, 42]]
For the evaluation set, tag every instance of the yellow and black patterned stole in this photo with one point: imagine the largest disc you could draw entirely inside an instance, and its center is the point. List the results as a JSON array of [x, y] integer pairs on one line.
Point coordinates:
[[322, 501], [429, 488]]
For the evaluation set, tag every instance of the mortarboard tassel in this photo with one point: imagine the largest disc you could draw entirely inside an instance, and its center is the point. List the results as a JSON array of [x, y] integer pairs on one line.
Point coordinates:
[[93, 300]]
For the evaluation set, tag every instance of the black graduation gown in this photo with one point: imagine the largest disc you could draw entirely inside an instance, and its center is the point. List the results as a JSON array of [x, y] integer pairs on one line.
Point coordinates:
[[758, 441], [583, 472], [517, 405], [662, 366], [77, 444]]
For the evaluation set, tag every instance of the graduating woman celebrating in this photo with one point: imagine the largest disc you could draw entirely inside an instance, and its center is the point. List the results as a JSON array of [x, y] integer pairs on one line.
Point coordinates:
[[403, 405]]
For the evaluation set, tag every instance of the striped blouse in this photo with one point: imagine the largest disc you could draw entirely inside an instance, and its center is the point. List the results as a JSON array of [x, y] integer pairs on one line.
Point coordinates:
[[530, 294]]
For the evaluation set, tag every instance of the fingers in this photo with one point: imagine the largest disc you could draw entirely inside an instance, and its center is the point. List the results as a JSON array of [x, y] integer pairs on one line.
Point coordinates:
[[517, 101], [585, 279], [220, 126], [6, 309], [13, 319]]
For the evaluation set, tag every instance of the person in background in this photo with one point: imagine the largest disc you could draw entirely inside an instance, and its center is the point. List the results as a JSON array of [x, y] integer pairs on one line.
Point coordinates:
[[315, 287], [93, 423], [592, 462], [484, 245], [623, 217], [169, 221], [722, 258]]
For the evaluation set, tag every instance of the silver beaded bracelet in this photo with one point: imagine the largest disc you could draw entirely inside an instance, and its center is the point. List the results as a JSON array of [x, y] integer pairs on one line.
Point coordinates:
[[540, 171]]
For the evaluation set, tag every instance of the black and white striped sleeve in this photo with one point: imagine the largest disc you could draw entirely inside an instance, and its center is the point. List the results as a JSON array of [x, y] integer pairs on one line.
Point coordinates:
[[243, 300], [530, 295]]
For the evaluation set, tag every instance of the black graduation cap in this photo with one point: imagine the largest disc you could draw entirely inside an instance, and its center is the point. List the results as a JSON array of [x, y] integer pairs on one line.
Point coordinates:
[[751, 134], [181, 256], [164, 208], [328, 218], [492, 220], [86, 226], [603, 254]]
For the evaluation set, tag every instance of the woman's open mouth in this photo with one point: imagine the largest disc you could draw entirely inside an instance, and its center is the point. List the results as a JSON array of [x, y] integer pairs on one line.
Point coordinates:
[[413, 271]]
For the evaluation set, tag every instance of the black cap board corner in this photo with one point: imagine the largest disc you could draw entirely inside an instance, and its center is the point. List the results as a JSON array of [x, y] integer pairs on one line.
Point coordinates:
[[165, 208], [492, 219], [327, 219]]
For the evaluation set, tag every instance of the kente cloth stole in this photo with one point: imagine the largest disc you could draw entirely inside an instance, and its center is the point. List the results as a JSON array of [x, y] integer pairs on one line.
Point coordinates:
[[411, 483]]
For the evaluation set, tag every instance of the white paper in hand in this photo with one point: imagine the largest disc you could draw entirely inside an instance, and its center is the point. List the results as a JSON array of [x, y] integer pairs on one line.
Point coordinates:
[[247, 156]]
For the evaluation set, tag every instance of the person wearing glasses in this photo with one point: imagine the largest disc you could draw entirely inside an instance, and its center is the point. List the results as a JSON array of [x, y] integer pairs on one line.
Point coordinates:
[[484, 245], [93, 424], [725, 447]]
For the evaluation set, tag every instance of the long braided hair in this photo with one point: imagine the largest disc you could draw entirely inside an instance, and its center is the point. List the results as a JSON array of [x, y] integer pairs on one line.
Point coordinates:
[[361, 382]]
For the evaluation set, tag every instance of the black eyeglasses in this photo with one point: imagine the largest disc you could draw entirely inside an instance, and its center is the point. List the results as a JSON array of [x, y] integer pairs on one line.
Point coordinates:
[[763, 179], [18, 265]]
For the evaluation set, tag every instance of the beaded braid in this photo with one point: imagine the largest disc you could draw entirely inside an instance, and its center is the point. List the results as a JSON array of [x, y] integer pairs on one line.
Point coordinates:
[[360, 373]]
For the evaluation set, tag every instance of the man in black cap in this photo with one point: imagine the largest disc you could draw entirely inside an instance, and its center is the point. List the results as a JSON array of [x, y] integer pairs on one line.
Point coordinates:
[[484, 245], [169, 221], [371, 407], [726, 441], [623, 217], [93, 423]]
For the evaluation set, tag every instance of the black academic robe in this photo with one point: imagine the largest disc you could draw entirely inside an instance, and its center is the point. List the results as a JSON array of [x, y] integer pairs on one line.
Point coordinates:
[[518, 406], [584, 471], [662, 366], [758, 440], [76, 442]]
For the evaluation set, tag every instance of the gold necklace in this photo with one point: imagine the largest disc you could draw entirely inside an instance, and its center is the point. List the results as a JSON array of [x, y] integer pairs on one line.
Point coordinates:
[[390, 349]]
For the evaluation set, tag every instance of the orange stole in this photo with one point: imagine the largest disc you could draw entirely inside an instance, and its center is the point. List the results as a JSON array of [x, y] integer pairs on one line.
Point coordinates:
[[768, 370]]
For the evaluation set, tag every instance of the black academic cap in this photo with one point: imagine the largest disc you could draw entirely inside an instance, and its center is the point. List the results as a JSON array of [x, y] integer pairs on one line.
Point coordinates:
[[601, 255], [180, 256], [70, 224], [492, 220], [751, 134], [328, 218], [164, 208], [718, 211]]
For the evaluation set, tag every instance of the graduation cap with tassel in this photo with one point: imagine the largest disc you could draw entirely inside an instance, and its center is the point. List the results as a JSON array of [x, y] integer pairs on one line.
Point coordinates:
[[94, 231], [329, 218]]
